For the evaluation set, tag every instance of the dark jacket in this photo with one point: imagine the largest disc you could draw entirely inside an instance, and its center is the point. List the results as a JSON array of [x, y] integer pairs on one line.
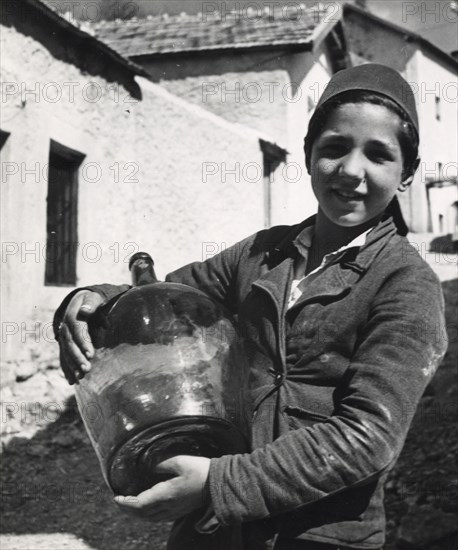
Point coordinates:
[[335, 380]]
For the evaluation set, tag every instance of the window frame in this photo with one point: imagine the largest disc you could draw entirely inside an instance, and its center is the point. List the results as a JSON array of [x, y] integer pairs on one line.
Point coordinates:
[[62, 215]]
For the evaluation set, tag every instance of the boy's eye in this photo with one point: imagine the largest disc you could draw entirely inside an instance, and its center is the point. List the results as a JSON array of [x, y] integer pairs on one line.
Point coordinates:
[[333, 149], [379, 155]]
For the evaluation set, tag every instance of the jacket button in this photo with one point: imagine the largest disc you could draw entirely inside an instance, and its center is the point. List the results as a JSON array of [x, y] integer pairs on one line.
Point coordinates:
[[278, 379]]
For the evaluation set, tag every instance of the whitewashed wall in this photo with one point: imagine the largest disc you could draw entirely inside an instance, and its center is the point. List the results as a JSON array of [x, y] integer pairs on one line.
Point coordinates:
[[142, 186]]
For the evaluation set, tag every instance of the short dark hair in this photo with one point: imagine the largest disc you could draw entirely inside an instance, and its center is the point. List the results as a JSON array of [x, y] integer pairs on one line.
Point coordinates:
[[408, 137]]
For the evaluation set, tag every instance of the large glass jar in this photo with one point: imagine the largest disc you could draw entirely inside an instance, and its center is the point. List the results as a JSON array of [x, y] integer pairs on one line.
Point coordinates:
[[168, 378]]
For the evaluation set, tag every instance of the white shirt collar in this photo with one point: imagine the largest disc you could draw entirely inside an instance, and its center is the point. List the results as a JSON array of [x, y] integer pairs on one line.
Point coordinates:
[[300, 264], [309, 232]]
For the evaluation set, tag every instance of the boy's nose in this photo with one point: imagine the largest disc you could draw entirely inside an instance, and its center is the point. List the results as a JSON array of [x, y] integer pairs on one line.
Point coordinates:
[[352, 167]]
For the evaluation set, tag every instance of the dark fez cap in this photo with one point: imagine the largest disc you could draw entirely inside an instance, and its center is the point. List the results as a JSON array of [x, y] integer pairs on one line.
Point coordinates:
[[376, 78]]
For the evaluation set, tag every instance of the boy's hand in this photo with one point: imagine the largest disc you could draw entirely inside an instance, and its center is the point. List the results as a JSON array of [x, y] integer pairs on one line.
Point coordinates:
[[76, 349], [175, 497]]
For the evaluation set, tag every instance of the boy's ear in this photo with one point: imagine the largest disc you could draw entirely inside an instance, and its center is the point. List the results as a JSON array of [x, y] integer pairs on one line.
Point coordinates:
[[407, 176]]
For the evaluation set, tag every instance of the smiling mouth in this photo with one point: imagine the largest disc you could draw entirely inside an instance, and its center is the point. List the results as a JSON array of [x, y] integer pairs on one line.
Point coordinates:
[[348, 195]]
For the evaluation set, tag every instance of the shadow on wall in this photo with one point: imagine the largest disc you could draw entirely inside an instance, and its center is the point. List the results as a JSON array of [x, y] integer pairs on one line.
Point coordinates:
[[52, 484]]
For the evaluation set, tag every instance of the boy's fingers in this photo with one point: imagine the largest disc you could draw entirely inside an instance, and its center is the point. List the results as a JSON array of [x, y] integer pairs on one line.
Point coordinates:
[[72, 349], [91, 301], [68, 371], [128, 503], [169, 466], [81, 307], [80, 337], [125, 500], [72, 357], [147, 499], [76, 348]]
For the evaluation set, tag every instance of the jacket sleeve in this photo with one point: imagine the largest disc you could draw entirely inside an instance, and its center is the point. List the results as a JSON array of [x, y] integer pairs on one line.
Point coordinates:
[[217, 276], [396, 356]]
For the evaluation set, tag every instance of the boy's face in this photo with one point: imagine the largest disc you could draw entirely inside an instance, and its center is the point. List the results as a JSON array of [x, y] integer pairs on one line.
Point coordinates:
[[357, 163]]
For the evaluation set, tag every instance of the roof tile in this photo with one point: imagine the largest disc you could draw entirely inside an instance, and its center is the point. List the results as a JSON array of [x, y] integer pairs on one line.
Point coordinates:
[[187, 33]]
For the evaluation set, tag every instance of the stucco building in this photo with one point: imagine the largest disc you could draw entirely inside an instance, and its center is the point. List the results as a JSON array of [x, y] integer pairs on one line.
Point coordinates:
[[265, 72], [97, 163], [430, 204], [178, 136], [268, 70]]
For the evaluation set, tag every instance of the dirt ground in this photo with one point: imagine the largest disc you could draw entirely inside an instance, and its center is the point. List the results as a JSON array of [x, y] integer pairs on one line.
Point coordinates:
[[54, 497], [422, 491], [52, 484]]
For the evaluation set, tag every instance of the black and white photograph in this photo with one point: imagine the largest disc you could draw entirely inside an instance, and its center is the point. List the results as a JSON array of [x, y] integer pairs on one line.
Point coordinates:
[[229, 277]]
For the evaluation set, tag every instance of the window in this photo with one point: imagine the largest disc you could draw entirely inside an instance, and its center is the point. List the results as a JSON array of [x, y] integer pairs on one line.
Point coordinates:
[[441, 223], [62, 215], [3, 137], [272, 156]]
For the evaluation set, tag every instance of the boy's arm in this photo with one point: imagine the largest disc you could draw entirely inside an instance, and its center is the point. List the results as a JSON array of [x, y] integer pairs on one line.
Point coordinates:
[[105, 291], [216, 277], [402, 345]]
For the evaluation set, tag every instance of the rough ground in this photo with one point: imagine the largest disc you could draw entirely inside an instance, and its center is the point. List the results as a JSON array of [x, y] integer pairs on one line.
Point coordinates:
[[53, 494], [54, 498], [422, 492]]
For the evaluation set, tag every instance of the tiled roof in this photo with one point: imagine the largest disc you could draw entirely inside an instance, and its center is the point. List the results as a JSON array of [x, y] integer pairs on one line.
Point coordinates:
[[190, 33], [83, 31]]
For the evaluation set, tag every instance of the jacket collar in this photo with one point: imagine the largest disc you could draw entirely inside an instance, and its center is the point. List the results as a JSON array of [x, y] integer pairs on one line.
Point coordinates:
[[360, 257], [336, 280], [286, 248], [375, 241]]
